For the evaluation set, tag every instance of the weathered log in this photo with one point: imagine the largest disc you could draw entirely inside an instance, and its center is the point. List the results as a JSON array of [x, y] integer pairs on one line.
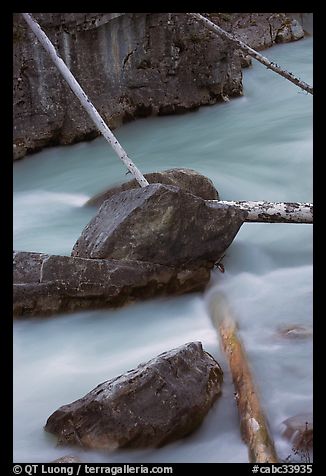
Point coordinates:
[[272, 212], [262, 59], [253, 423], [84, 100]]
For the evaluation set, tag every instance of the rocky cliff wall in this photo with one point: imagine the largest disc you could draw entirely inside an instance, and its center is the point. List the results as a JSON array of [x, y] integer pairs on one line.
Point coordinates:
[[130, 65]]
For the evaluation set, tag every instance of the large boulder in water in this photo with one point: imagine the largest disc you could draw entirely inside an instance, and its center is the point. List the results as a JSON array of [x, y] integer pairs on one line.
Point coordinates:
[[158, 402], [160, 224], [187, 179]]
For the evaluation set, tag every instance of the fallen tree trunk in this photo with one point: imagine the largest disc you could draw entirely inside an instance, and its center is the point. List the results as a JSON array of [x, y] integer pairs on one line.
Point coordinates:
[[253, 423], [84, 100], [262, 59], [272, 212]]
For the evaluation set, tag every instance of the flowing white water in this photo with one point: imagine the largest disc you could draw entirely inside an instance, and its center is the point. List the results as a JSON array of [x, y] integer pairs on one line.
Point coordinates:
[[257, 147]]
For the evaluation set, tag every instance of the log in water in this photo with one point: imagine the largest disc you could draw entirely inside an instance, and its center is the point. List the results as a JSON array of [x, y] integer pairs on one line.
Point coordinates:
[[253, 423]]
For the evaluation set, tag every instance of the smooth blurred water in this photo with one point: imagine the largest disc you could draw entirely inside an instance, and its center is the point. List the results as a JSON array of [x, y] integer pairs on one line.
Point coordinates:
[[257, 147]]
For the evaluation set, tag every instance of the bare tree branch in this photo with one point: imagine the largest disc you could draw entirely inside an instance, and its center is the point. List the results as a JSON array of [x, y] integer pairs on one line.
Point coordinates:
[[262, 59], [86, 103], [271, 212]]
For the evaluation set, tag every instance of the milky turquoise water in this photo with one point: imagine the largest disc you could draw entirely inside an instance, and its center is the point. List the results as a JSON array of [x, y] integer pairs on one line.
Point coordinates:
[[257, 147]]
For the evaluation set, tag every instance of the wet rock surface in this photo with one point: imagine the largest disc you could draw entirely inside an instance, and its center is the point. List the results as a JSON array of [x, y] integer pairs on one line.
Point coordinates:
[[161, 224], [46, 284], [187, 179], [158, 402]]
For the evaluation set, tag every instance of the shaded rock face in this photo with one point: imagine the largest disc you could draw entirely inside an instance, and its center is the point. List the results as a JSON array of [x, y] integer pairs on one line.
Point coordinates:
[[299, 430], [305, 20], [187, 179], [130, 65], [45, 284], [158, 402], [260, 30], [292, 31], [161, 224]]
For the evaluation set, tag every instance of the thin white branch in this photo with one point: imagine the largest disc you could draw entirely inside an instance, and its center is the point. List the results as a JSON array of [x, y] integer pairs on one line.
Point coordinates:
[[86, 103], [262, 59]]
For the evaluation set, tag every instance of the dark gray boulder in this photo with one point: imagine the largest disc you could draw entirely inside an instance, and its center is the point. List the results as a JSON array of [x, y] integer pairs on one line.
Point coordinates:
[[158, 402], [160, 224], [187, 179], [46, 284]]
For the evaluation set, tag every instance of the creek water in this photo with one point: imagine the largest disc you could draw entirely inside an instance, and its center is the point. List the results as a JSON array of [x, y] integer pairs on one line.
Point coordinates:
[[256, 147]]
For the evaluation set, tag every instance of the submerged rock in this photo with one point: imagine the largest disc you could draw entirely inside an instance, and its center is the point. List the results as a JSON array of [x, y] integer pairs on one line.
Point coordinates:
[[187, 179], [295, 332], [160, 224], [67, 459], [299, 430], [44, 284], [158, 402]]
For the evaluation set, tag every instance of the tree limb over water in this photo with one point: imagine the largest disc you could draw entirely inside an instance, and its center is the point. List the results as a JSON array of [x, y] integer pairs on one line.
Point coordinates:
[[272, 212], [262, 59], [84, 100]]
